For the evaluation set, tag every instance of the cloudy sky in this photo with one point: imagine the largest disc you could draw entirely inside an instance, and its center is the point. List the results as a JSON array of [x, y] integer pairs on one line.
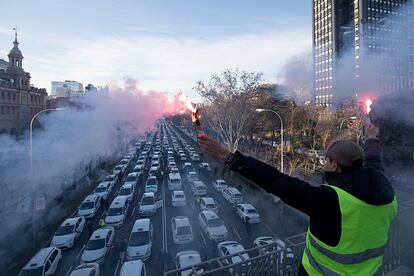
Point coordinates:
[[166, 45]]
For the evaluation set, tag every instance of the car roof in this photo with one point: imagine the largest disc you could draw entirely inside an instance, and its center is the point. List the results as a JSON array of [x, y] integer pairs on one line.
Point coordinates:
[[174, 175], [102, 185], [188, 257], [70, 221], [132, 174], [101, 232], [220, 181], [148, 194], [178, 192], [233, 190], [209, 214], [232, 246], [118, 201], [207, 199], [127, 185], [40, 257], [198, 183], [91, 197], [131, 267], [247, 206], [141, 225], [181, 221]]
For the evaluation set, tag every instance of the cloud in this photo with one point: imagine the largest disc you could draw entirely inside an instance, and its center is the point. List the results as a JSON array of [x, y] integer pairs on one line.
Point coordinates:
[[166, 63]]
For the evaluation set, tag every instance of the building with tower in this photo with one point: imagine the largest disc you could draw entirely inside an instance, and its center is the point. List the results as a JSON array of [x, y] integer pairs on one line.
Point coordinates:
[[375, 39], [19, 100]]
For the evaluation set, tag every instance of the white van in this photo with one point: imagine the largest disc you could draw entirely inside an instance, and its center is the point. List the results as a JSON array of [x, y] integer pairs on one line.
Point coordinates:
[[174, 181], [198, 188], [117, 211]]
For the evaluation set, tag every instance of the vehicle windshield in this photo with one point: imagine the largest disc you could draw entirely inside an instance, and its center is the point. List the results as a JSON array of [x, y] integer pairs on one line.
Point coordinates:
[[151, 182], [32, 272], [251, 211], [87, 205], [123, 162], [95, 244], [215, 222], [109, 178], [179, 196], [211, 205], [100, 189], [64, 230], [136, 170], [183, 230], [114, 211], [118, 168], [139, 238], [125, 191], [237, 196], [140, 162], [175, 181], [148, 200], [131, 178]]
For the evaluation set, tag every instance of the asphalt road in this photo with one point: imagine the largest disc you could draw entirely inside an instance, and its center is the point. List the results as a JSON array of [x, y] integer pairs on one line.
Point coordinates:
[[158, 262]]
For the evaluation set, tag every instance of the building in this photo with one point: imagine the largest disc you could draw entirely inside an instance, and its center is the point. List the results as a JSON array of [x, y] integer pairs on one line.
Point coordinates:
[[365, 33], [66, 88], [19, 100], [3, 65]]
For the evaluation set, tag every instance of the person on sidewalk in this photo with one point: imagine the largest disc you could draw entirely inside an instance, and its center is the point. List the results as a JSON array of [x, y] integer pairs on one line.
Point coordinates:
[[350, 216]]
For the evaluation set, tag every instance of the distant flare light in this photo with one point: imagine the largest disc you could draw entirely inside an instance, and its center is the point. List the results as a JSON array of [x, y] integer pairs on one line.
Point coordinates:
[[368, 103]]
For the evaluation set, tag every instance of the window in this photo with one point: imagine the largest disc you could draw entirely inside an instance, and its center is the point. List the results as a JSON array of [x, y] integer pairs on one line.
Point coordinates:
[[2, 110], [2, 96], [8, 96], [8, 110], [53, 256]]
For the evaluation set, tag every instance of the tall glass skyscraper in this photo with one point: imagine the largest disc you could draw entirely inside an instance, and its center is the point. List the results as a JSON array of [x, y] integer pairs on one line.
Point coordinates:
[[365, 33]]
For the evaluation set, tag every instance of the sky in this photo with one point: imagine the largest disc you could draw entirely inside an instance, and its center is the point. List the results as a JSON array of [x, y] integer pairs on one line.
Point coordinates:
[[164, 45]]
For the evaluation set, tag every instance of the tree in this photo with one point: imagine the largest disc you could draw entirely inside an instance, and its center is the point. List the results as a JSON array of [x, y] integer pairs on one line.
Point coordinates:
[[229, 107]]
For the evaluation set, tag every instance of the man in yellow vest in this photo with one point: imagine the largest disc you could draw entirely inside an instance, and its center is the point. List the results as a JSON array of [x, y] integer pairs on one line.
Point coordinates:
[[349, 217]]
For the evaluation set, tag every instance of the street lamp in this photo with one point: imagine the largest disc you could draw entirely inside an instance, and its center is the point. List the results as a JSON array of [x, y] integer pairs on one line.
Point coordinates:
[[281, 133], [352, 118], [31, 130]]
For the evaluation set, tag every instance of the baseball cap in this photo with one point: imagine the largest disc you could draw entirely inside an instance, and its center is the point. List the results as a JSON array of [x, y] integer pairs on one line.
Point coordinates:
[[345, 152]]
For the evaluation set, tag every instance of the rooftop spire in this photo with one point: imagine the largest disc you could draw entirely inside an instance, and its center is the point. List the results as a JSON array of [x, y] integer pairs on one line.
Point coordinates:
[[15, 35]]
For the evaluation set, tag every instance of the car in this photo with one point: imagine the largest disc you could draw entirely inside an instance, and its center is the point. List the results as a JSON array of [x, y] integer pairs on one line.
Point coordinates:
[[117, 211], [195, 157], [112, 179], [171, 165], [86, 270], [228, 248], [103, 190], [68, 232], [118, 170], [247, 213], [125, 163], [154, 171], [170, 159], [198, 188], [232, 195], [183, 157], [89, 206], [178, 198], [212, 225], [267, 244], [174, 181], [132, 178], [187, 166], [219, 184], [44, 263], [208, 203], [205, 166], [188, 259], [127, 190], [147, 206], [192, 176], [98, 245], [151, 185], [133, 268], [140, 240], [174, 170], [181, 230]]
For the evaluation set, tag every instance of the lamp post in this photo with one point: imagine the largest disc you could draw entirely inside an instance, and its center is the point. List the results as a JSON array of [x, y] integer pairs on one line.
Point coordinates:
[[352, 118], [31, 131], [281, 134]]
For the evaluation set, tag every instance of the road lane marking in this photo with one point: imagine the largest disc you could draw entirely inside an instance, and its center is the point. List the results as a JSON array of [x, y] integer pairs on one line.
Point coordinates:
[[268, 229], [133, 210], [117, 267], [69, 271], [237, 234], [79, 253], [202, 236], [164, 220]]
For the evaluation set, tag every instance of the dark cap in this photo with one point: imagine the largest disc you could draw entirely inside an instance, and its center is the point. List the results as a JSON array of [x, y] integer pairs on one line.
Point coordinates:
[[345, 152]]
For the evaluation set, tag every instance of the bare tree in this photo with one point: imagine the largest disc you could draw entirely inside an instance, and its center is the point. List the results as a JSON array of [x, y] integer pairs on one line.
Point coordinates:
[[229, 110]]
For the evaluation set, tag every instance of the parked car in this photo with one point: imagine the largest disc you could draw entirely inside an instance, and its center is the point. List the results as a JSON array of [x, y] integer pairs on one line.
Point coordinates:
[[212, 225], [68, 232], [112, 179], [44, 263], [208, 203], [228, 248], [247, 213], [205, 166], [118, 170], [188, 259], [178, 198], [198, 188], [151, 185], [89, 206], [117, 212], [181, 230], [98, 245], [133, 268], [192, 176], [195, 157], [232, 195], [148, 205], [103, 190], [140, 240], [132, 178], [174, 181], [219, 184], [86, 270], [267, 244], [127, 190]]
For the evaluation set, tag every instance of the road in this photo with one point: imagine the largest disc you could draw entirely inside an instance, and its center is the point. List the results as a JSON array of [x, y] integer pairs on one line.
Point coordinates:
[[162, 229]]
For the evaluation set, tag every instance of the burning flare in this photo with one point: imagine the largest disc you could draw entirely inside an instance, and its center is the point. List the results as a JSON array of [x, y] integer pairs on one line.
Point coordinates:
[[368, 103], [195, 118]]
